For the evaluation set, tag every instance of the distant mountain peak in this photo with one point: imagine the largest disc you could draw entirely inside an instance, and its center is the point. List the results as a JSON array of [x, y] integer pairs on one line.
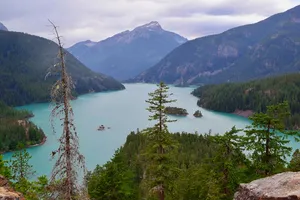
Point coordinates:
[[126, 54], [243, 53], [2, 27], [153, 25]]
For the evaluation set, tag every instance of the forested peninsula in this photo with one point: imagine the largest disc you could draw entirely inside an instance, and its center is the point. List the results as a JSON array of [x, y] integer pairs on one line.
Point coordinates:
[[253, 96], [16, 128]]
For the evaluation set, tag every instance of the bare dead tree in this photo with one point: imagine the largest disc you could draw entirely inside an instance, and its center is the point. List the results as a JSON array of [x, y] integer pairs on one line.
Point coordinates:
[[69, 161]]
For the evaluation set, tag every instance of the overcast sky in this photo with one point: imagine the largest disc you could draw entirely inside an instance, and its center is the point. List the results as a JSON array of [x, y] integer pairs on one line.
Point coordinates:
[[80, 20]]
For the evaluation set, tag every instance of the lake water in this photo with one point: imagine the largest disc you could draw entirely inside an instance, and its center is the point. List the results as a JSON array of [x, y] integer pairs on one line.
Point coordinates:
[[123, 111]]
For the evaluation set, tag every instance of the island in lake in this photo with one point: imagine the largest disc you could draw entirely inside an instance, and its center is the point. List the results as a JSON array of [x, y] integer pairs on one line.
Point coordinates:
[[198, 113], [176, 111]]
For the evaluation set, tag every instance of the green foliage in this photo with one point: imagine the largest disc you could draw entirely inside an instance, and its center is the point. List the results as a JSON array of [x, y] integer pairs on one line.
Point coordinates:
[[192, 150], [15, 128], [4, 169], [229, 162], [294, 164], [208, 167], [160, 165], [267, 138], [34, 190], [112, 181], [254, 95], [18, 171], [158, 100], [19, 165], [24, 61]]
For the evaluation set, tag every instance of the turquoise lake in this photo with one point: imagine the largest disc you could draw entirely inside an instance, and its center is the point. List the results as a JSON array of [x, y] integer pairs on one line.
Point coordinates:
[[123, 111]]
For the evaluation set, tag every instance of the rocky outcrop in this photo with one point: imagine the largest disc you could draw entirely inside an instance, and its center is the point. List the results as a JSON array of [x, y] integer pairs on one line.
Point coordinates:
[[283, 186], [7, 193]]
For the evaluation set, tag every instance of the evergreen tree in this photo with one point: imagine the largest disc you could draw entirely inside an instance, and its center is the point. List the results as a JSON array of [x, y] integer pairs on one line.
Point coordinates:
[[69, 158], [267, 138], [294, 164], [160, 163], [229, 161], [19, 165], [4, 169], [112, 181]]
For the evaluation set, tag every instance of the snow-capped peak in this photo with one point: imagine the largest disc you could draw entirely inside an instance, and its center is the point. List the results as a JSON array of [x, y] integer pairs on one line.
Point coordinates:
[[153, 25], [2, 27]]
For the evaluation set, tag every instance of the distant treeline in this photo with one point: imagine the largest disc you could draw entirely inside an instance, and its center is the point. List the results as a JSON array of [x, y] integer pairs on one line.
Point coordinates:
[[254, 95]]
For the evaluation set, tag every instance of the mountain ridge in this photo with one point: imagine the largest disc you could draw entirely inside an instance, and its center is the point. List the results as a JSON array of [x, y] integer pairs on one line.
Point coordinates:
[[242, 53], [2, 27], [127, 53], [24, 62]]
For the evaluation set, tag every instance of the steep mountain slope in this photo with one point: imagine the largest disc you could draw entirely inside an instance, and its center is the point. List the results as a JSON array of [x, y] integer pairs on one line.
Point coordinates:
[[126, 54], [2, 27], [266, 48], [24, 61], [253, 96]]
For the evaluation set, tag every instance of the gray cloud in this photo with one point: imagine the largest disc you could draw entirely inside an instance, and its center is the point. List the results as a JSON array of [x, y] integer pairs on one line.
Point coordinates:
[[98, 19]]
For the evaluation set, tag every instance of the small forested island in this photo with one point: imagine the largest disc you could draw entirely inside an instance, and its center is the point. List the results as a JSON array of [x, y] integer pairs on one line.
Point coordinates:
[[198, 114], [15, 128], [176, 111]]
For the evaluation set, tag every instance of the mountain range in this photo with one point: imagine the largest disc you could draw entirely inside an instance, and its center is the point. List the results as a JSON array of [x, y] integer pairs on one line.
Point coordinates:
[[24, 62], [128, 53], [2, 27], [266, 48]]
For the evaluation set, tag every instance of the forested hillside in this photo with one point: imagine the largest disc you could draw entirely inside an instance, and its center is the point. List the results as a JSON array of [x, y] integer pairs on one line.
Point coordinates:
[[126, 172], [24, 64], [254, 95], [15, 128], [155, 164]]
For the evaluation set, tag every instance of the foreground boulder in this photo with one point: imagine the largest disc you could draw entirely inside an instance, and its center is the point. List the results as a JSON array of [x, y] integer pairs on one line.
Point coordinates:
[[283, 186], [6, 192]]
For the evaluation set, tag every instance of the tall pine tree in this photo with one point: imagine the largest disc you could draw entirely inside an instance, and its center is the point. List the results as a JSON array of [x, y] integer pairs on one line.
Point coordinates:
[[229, 161], [267, 138], [160, 168]]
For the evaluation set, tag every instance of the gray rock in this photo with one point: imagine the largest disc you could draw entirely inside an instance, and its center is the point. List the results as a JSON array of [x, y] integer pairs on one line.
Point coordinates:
[[283, 186], [6, 192]]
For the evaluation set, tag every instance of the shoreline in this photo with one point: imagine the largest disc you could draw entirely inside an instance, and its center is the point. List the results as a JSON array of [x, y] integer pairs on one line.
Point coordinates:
[[30, 146], [39, 144], [243, 113]]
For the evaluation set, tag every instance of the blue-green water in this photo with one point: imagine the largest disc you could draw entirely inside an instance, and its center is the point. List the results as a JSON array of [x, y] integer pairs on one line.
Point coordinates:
[[123, 111]]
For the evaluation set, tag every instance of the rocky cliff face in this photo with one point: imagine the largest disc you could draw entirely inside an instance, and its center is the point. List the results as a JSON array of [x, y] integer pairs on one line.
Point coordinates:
[[7, 193], [283, 186]]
